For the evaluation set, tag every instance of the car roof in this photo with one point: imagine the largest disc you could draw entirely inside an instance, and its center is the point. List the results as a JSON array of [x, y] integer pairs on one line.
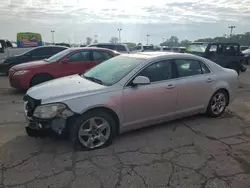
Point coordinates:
[[52, 46], [226, 43], [93, 48], [152, 55], [113, 44]]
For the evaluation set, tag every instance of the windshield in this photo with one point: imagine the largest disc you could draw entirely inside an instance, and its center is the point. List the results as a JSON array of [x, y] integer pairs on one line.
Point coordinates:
[[113, 70], [58, 56], [197, 48]]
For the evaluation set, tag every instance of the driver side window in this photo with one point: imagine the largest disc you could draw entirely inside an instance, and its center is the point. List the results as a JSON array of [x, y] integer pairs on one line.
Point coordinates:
[[159, 71], [80, 57]]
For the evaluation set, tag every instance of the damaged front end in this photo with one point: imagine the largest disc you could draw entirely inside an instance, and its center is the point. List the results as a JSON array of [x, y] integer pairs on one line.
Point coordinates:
[[46, 119]]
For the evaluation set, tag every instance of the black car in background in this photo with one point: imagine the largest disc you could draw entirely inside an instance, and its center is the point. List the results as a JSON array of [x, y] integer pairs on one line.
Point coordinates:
[[227, 55], [34, 54]]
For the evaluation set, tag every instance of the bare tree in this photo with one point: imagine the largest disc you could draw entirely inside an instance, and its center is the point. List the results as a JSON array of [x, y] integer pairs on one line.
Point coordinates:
[[88, 40], [114, 40]]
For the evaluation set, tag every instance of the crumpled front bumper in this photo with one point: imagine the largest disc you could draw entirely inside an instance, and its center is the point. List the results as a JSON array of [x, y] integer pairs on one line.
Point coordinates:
[[40, 127]]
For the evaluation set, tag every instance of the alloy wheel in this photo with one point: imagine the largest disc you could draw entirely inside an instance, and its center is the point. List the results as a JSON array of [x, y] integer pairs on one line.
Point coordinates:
[[218, 103], [94, 132]]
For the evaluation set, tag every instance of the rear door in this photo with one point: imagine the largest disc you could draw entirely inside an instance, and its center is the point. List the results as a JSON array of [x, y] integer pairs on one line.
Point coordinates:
[[79, 62], [194, 85], [100, 56]]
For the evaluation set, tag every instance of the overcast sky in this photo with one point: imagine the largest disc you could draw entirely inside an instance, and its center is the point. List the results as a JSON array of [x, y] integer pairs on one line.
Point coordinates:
[[74, 20]]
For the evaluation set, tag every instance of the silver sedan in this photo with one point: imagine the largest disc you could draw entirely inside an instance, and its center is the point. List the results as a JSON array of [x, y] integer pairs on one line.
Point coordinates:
[[128, 92]]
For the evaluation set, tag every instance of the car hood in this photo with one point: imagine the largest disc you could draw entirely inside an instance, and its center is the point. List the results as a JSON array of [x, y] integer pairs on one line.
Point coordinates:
[[64, 88], [29, 65]]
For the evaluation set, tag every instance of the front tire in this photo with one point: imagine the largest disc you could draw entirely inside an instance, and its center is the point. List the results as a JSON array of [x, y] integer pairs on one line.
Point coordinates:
[[217, 104], [40, 79], [93, 130]]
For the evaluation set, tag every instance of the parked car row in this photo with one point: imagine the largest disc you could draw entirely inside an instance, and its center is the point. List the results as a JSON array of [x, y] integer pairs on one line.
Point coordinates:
[[93, 94]]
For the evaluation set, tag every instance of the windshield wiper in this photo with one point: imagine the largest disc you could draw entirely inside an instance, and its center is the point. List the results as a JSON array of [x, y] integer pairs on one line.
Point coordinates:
[[93, 79]]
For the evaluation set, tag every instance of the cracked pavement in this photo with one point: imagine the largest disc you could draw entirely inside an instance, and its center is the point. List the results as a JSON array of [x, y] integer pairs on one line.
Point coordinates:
[[195, 152]]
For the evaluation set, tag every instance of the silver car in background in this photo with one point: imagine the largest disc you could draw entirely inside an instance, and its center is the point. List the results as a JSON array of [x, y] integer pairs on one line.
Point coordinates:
[[128, 92]]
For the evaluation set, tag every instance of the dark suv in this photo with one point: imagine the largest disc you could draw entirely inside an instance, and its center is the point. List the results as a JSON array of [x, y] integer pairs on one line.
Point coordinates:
[[227, 55], [38, 53]]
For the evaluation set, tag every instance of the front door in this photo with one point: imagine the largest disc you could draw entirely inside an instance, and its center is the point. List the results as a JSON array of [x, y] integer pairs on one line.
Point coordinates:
[[149, 104], [194, 85], [79, 62]]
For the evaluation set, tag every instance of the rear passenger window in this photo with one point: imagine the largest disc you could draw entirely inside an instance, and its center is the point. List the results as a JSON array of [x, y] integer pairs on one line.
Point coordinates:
[[101, 56], [41, 51], [56, 50], [204, 68]]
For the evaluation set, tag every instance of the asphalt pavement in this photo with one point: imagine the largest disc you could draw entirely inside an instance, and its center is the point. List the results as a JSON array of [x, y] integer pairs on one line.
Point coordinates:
[[195, 152]]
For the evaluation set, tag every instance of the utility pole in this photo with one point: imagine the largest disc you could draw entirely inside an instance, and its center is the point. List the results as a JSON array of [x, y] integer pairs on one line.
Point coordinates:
[[147, 38], [231, 30], [53, 39], [95, 37], [119, 31], [69, 41]]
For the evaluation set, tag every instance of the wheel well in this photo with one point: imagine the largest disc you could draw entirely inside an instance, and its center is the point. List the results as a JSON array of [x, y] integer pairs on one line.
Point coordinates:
[[227, 93], [40, 74], [112, 113]]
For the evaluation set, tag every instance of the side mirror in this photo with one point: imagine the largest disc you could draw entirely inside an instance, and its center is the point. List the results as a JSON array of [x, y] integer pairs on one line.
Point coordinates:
[[65, 61], [141, 80]]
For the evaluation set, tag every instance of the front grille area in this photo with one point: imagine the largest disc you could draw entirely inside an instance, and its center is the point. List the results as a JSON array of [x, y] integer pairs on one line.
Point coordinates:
[[30, 105]]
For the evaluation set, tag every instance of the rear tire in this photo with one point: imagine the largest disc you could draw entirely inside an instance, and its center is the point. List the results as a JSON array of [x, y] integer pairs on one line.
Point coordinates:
[[237, 70], [217, 104], [235, 67], [93, 130], [38, 79]]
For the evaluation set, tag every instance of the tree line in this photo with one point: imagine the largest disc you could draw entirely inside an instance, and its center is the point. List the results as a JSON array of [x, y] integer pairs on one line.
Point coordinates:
[[242, 39], [173, 41]]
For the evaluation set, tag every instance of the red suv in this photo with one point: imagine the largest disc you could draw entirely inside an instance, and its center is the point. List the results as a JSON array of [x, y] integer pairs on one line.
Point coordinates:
[[67, 62]]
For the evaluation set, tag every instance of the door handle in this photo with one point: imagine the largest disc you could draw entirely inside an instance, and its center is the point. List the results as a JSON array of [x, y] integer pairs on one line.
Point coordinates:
[[209, 80], [170, 86]]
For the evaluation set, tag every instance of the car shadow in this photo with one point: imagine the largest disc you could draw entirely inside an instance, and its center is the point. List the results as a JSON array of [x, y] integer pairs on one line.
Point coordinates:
[[12, 91], [28, 145]]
